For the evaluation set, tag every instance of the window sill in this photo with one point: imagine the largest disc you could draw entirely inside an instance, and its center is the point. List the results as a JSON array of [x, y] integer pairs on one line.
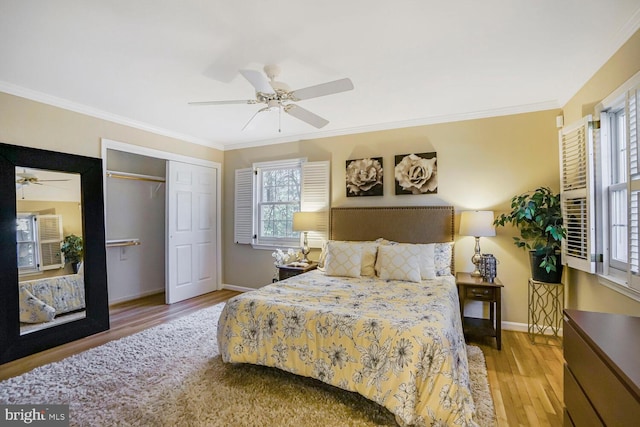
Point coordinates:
[[619, 285], [266, 247]]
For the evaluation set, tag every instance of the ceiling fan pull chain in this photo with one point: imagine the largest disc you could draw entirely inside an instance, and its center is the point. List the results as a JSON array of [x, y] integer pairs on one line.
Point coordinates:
[[280, 119]]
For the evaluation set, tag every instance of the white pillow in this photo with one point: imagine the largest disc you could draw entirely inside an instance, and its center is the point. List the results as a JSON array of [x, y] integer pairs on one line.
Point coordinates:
[[368, 259], [399, 263], [442, 258], [427, 261], [343, 259]]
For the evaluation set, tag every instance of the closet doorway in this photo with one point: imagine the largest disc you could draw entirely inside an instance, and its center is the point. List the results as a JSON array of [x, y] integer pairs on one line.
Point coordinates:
[[162, 223]]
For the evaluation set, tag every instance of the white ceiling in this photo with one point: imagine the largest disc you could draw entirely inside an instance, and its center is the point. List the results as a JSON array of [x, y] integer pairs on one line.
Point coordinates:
[[52, 186], [412, 62]]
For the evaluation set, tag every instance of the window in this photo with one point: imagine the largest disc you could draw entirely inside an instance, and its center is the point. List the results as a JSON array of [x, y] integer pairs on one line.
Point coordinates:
[[267, 195], [26, 241], [620, 180], [611, 181], [615, 181], [278, 190], [38, 240]]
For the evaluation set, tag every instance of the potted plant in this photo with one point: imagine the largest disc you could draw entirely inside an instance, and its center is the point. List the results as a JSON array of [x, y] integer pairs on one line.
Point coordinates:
[[538, 216], [72, 250]]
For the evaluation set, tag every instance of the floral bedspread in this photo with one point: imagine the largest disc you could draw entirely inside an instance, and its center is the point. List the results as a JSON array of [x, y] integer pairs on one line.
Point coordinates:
[[397, 343]]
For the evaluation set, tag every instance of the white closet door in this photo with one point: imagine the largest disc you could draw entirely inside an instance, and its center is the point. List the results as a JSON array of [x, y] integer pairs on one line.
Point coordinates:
[[191, 231]]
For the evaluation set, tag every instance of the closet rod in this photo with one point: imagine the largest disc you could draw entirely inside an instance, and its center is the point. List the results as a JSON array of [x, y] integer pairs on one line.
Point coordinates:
[[134, 176], [123, 242]]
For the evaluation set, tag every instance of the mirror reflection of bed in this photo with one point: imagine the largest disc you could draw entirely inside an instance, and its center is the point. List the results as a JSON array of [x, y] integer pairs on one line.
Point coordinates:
[[48, 208]]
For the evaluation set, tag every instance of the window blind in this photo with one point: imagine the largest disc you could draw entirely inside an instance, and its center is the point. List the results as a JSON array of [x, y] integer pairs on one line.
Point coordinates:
[[315, 198], [576, 191], [243, 208]]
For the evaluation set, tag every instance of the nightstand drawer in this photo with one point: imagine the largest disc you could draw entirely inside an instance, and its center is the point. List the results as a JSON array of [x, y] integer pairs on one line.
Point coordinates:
[[286, 271], [480, 293]]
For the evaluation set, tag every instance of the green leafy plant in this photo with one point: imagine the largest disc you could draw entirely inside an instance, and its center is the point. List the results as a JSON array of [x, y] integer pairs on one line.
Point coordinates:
[[72, 248], [538, 216]]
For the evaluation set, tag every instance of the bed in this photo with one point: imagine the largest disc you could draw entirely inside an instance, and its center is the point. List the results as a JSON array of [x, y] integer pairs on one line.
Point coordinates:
[[383, 331], [41, 300]]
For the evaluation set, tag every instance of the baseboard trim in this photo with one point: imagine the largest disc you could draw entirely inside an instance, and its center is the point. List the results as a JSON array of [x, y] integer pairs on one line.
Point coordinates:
[[132, 297], [523, 327], [237, 288]]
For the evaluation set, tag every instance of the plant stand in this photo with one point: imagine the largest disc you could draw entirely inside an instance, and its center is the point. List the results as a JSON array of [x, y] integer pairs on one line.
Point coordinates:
[[546, 302]]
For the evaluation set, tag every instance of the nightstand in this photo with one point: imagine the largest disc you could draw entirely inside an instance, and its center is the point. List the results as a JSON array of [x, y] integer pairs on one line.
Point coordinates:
[[286, 271], [476, 289]]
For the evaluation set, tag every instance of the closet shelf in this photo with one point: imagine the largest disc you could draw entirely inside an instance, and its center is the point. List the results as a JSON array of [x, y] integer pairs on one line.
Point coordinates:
[[134, 176], [122, 242]]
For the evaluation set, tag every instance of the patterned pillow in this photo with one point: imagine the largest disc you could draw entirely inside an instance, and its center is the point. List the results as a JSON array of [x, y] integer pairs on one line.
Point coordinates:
[[442, 257], [425, 254], [368, 260], [33, 310], [399, 262], [343, 259]]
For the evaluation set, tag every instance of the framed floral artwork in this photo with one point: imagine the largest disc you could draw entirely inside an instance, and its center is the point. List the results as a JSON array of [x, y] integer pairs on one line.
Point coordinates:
[[364, 177], [416, 173]]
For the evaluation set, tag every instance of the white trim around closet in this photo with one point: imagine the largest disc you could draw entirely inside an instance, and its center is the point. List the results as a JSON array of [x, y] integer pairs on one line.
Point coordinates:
[[107, 144]]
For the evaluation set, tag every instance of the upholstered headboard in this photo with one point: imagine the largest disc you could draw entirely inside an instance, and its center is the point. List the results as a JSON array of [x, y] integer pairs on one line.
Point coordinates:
[[415, 224]]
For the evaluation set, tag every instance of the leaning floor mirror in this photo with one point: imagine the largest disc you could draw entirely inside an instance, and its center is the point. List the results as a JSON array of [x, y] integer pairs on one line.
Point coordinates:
[[52, 250]]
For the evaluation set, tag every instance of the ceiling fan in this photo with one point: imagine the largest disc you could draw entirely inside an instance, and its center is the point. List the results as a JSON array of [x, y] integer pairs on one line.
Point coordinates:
[[278, 95], [24, 179]]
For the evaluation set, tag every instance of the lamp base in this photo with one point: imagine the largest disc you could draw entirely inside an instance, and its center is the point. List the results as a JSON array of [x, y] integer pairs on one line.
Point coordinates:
[[475, 259], [305, 249]]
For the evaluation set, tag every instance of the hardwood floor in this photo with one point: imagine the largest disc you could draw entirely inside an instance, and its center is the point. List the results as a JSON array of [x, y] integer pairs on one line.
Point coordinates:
[[525, 379]]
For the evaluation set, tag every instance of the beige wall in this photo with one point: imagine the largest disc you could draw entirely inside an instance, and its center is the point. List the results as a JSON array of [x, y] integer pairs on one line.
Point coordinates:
[[33, 124], [584, 292], [481, 165]]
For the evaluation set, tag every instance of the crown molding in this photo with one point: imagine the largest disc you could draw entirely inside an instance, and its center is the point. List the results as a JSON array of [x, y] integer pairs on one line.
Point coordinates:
[[65, 104], [506, 111]]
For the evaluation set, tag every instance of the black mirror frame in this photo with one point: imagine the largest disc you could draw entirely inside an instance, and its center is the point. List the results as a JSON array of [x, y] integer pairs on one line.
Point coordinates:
[[12, 344]]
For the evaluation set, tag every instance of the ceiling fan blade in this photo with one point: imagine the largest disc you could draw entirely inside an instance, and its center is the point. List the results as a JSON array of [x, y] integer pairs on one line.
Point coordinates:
[[239, 101], [323, 89], [258, 80], [254, 116], [306, 116]]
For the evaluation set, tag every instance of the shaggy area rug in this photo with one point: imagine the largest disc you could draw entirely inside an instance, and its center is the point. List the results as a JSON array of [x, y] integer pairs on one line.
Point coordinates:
[[172, 375]]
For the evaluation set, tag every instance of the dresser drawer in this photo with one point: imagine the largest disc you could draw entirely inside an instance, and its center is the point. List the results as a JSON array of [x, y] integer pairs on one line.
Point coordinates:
[[577, 404], [607, 394], [482, 293]]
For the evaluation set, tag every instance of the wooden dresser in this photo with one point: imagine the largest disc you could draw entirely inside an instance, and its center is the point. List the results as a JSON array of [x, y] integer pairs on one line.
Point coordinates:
[[602, 369]]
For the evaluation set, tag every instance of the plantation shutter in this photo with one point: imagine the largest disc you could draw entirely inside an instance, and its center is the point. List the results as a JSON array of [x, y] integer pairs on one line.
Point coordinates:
[[315, 198], [577, 194], [631, 110], [243, 209], [50, 239]]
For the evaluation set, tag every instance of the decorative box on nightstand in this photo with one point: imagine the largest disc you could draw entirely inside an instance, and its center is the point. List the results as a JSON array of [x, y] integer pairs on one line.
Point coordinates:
[[286, 271], [476, 289]]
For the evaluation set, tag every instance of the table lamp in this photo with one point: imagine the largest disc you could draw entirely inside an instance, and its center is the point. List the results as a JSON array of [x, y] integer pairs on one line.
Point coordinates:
[[477, 224], [304, 222]]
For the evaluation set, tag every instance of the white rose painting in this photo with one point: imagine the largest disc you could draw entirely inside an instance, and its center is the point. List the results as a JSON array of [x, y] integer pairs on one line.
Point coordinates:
[[364, 177], [416, 173]]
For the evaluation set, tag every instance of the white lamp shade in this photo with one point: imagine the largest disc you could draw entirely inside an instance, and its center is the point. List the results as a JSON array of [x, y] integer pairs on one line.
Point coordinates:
[[477, 224], [305, 221]]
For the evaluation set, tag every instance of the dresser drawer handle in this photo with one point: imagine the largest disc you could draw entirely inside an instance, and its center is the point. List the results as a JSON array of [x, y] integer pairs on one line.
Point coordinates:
[[480, 292]]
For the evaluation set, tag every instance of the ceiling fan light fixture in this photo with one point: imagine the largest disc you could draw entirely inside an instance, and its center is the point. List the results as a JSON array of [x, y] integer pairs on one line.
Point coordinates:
[[274, 94]]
